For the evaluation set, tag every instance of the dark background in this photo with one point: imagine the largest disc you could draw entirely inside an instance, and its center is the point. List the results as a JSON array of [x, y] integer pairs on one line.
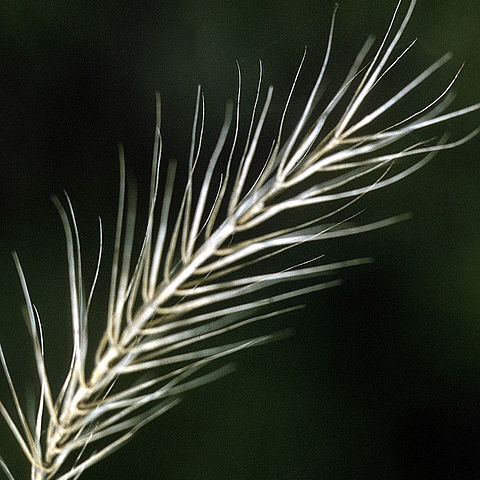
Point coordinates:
[[382, 376]]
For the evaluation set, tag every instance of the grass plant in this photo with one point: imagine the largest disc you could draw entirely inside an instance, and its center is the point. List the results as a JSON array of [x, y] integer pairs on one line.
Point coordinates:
[[200, 272]]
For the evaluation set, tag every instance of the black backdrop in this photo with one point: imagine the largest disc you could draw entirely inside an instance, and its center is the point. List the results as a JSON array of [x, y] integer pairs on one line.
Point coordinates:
[[382, 376]]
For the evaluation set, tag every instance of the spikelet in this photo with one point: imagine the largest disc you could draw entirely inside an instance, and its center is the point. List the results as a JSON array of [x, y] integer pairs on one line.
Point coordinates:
[[192, 280]]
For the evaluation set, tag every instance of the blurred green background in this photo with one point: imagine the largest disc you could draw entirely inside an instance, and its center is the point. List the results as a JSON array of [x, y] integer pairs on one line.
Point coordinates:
[[381, 379]]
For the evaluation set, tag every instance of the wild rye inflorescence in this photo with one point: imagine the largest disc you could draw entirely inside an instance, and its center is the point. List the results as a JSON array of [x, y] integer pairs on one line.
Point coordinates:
[[193, 263]]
